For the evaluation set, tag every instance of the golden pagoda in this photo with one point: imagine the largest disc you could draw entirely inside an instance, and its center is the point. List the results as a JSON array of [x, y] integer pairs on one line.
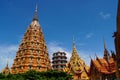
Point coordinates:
[[6, 70], [32, 53], [77, 67]]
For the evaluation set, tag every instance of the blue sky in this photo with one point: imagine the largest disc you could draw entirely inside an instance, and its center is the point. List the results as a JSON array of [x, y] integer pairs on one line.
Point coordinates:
[[87, 20]]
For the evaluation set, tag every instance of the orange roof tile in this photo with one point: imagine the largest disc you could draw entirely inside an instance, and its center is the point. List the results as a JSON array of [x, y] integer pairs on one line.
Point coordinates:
[[103, 66]]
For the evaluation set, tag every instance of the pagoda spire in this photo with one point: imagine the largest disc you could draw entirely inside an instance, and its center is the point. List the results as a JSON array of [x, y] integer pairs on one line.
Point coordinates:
[[74, 51], [106, 53], [36, 13], [74, 45], [7, 65], [104, 44]]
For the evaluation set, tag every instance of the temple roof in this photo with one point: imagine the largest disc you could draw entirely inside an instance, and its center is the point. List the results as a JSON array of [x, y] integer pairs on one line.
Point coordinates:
[[103, 66]]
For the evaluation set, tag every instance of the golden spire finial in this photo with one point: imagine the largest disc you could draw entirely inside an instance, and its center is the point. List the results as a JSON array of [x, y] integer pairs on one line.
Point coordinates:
[[73, 42], [36, 13], [74, 51], [36, 10]]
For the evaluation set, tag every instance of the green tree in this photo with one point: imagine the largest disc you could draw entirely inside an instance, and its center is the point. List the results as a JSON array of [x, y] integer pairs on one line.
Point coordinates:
[[33, 75]]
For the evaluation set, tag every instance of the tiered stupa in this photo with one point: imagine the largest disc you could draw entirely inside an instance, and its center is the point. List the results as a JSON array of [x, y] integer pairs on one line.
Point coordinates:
[[6, 70], [32, 52], [76, 66]]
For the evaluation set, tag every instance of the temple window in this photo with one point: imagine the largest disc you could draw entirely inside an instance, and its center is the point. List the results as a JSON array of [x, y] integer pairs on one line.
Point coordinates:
[[38, 58], [31, 57], [35, 30], [22, 43], [16, 59], [32, 43], [25, 37], [38, 51], [30, 67], [31, 50], [38, 67], [35, 37], [22, 67], [43, 52], [37, 43], [25, 50], [26, 43], [22, 58]]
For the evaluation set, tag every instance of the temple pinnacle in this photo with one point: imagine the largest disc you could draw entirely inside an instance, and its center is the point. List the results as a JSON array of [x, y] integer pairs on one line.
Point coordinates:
[[36, 13], [104, 44]]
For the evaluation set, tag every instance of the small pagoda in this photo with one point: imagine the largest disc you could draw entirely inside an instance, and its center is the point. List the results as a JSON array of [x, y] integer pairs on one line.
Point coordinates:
[[6, 70], [32, 53], [77, 67], [59, 60]]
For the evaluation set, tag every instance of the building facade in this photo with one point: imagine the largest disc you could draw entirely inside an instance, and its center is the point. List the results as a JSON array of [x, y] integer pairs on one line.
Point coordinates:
[[59, 61], [77, 67], [32, 53], [103, 68]]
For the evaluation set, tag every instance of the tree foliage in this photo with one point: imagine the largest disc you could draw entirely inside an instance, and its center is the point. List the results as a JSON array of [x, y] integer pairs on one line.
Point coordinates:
[[33, 75]]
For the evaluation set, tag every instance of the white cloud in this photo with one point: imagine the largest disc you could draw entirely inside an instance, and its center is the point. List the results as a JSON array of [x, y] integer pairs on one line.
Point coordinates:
[[7, 53], [105, 15], [89, 35]]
